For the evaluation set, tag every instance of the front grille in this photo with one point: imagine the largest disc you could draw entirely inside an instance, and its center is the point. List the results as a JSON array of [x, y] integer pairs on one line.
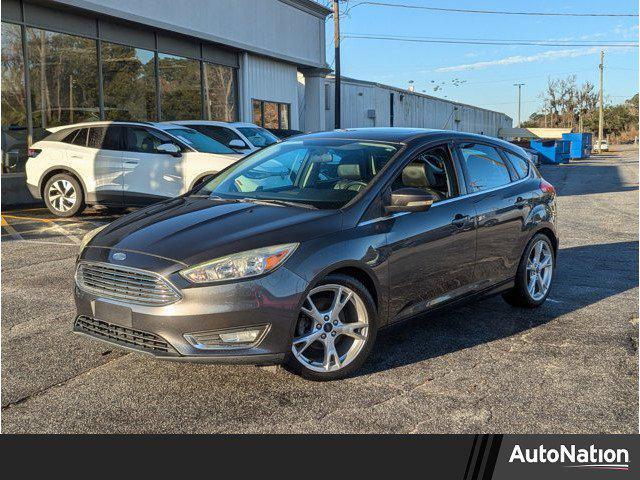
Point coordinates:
[[127, 284], [127, 336]]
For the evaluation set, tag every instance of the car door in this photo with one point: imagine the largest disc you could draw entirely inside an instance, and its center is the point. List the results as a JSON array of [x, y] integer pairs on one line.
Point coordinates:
[[104, 145], [149, 174], [431, 254], [500, 204]]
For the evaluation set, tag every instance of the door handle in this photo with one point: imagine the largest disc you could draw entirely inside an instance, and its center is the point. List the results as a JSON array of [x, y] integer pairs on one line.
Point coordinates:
[[460, 220], [131, 162]]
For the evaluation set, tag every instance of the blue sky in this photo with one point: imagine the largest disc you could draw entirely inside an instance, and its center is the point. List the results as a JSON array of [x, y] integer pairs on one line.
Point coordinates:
[[489, 71]]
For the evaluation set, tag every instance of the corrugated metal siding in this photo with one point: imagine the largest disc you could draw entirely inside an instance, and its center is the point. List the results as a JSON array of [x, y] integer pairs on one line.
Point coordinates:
[[273, 81], [410, 110]]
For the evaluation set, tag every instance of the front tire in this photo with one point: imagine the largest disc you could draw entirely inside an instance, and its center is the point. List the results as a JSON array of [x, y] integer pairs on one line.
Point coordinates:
[[535, 274], [335, 331], [63, 195]]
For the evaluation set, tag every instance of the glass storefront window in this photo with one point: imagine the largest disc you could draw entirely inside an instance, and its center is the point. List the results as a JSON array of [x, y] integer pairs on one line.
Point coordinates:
[[257, 112], [63, 76], [284, 115], [129, 83], [271, 114], [179, 87], [14, 105], [220, 93]]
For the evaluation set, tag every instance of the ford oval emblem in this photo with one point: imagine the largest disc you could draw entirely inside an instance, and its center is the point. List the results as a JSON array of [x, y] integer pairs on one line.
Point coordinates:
[[119, 256]]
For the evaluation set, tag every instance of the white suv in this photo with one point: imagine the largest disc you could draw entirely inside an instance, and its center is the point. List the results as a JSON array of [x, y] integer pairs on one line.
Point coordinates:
[[242, 137], [120, 164]]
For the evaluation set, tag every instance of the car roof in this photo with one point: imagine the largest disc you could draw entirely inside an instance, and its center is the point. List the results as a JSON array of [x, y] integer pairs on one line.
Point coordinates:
[[105, 122], [214, 122], [395, 134]]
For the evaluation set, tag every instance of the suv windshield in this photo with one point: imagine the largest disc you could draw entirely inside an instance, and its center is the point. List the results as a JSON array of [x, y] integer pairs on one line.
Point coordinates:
[[322, 173], [198, 141], [259, 137]]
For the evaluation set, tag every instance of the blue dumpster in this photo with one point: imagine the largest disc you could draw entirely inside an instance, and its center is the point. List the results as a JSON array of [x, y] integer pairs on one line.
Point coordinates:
[[580, 144], [552, 151]]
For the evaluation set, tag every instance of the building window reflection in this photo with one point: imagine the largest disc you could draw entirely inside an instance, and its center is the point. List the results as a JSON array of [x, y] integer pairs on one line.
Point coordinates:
[[63, 76], [271, 114], [14, 105], [179, 87], [220, 93], [129, 83]]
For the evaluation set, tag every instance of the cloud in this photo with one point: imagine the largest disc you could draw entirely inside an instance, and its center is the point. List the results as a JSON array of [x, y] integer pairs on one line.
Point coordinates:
[[538, 57]]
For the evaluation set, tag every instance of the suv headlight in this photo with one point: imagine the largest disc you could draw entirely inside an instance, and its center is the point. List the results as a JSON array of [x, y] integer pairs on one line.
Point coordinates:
[[89, 235], [240, 265]]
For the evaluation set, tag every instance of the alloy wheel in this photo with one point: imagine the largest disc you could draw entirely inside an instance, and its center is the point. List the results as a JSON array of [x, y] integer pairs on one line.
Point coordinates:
[[62, 195], [539, 270], [332, 328]]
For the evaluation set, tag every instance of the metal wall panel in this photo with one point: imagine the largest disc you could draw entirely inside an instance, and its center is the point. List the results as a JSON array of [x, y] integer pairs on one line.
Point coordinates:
[[11, 11], [410, 110], [273, 81], [127, 35], [59, 20]]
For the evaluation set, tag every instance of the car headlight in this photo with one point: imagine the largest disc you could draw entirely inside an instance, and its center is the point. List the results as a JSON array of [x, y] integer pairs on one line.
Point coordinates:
[[89, 235], [240, 265]]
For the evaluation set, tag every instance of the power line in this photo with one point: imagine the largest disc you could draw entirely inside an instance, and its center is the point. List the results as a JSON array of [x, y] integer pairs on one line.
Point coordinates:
[[541, 43], [492, 12]]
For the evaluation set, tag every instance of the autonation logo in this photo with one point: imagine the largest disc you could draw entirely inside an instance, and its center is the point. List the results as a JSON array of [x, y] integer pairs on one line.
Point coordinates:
[[592, 457]]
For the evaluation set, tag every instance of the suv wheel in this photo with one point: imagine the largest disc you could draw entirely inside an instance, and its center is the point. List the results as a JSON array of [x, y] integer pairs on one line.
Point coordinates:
[[336, 330], [63, 195], [535, 274]]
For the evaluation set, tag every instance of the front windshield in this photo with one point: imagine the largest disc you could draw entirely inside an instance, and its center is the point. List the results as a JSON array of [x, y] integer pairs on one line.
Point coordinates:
[[259, 137], [198, 141], [325, 173]]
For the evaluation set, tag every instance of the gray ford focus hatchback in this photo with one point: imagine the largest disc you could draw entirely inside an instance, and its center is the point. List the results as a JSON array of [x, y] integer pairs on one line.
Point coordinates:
[[300, 252]]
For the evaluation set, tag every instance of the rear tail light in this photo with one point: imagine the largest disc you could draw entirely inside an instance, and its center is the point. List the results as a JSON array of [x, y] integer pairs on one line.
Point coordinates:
[[33, 152], [546, 187]]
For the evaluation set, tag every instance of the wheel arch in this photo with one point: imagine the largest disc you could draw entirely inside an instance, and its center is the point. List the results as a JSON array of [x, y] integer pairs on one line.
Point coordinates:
[[357, 271], [50, 172], [549, 233]]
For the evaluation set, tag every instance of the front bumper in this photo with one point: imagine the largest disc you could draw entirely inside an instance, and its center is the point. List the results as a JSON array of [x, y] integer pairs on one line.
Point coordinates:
[[273, 300]]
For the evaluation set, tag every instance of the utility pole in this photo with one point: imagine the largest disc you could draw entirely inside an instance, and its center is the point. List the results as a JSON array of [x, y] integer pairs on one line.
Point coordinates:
[[519, 85], [336, 42], [600, 102]]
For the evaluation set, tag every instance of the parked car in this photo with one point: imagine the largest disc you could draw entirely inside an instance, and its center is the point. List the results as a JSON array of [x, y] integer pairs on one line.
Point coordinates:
[[282, 133], [244, 138], [120, 164], [604, 147], [370, 227]]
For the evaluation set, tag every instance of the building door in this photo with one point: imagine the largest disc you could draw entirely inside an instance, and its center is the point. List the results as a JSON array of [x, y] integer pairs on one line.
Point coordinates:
[[391, 109]]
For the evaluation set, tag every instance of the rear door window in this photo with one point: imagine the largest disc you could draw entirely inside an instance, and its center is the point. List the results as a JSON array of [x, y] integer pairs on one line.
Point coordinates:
[[104, 138], [484, 167]]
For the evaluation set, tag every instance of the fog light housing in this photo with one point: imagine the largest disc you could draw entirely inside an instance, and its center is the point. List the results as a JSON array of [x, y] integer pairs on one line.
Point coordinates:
[[241, 337]]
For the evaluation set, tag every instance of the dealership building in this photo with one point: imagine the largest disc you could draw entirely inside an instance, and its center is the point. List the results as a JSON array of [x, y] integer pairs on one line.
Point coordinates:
[[260, 61]]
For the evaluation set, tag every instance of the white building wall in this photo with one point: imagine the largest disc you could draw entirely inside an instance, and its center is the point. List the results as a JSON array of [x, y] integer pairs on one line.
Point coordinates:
[[410, 110], [268, 79], [267, 27]]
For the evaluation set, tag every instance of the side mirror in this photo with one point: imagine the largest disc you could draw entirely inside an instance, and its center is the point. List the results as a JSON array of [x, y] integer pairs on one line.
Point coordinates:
[[409, 200], [238, 144], [170, 148]]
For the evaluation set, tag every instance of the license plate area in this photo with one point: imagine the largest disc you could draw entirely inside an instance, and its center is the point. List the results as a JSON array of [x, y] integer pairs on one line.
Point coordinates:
[[111, 313]]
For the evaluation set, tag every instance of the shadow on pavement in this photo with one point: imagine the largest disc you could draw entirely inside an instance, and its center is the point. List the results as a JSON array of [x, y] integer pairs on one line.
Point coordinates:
[[433, 335]]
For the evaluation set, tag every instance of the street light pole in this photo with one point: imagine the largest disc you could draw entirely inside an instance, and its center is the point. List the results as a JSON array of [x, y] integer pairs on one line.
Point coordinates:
[[336, 42], [519, 85], [600, 102]]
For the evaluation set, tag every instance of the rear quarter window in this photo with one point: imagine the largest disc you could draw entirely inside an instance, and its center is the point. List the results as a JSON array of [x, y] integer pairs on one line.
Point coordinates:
[[519, 164]]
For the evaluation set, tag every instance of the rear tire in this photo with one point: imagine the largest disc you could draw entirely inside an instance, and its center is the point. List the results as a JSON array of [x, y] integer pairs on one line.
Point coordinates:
[[335, 333], [534, 277], [63, 195]]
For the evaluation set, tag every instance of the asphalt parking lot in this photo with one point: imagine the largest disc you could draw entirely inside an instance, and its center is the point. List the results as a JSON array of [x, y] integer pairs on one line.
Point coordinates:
[[570, 366]]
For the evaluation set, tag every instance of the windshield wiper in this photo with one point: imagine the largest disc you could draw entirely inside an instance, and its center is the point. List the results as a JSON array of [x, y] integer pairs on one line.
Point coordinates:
[[274, 201]]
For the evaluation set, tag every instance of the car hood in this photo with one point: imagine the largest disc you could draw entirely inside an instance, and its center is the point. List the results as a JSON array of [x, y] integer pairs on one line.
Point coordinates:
[[191, 230]]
